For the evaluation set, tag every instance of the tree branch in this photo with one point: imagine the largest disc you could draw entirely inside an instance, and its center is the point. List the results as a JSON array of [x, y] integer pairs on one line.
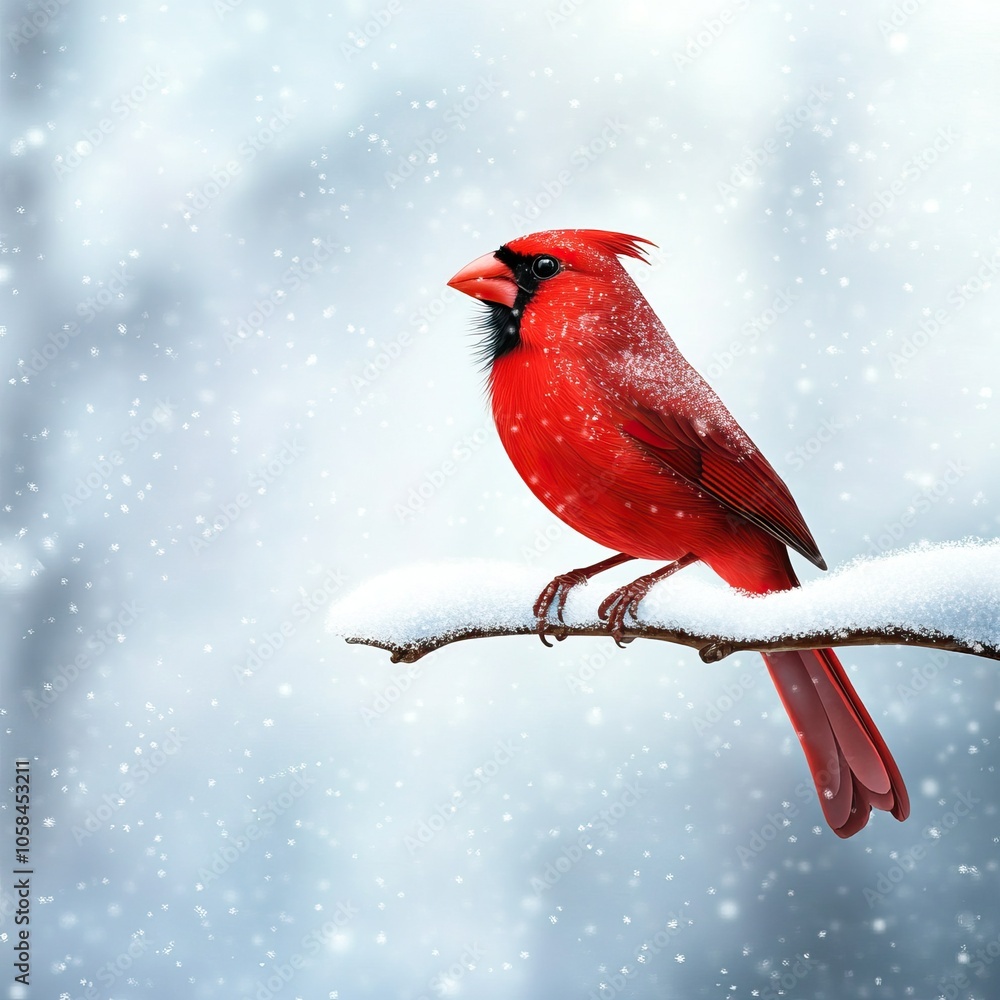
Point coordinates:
[[711, 648], [942, 597]]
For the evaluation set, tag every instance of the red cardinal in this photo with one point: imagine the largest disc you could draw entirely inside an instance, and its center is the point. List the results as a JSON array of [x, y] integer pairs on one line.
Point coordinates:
[[623, 440]]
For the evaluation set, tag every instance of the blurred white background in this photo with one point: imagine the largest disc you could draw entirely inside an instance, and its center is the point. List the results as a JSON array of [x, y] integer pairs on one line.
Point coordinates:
[[229, 356]]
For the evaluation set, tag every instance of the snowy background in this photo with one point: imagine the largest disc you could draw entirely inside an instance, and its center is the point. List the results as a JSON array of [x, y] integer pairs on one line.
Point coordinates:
[[234, 380]]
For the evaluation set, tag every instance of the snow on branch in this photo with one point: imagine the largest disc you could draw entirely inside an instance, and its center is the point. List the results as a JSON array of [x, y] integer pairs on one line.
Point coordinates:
[[945, 596]]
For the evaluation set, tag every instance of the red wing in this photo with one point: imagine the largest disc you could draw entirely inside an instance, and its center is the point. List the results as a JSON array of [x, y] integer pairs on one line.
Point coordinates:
[[727, 467]]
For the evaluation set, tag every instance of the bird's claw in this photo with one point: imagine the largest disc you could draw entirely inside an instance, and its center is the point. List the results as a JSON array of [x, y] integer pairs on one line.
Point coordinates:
[[621, 602], [556, 593], [613, 610]]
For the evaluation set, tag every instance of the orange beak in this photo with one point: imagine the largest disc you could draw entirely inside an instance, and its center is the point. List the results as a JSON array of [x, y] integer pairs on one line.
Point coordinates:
[[488, 279]]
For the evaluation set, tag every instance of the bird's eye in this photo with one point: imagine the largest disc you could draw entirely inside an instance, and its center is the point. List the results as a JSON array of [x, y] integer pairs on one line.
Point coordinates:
[[544, 266]]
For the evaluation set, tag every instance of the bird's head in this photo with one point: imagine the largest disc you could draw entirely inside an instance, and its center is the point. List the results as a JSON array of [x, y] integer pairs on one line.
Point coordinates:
[[548, 275]]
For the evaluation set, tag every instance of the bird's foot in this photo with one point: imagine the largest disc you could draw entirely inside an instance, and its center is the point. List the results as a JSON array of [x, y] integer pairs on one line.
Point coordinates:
[[625, 601], [558, 590], [556, 593]]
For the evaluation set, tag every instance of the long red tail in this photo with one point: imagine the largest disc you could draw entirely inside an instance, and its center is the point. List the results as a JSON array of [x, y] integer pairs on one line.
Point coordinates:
[[850, 763]]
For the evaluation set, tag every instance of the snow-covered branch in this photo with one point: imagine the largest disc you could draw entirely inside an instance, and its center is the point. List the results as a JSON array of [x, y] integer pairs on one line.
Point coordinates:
[[946, 596]]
